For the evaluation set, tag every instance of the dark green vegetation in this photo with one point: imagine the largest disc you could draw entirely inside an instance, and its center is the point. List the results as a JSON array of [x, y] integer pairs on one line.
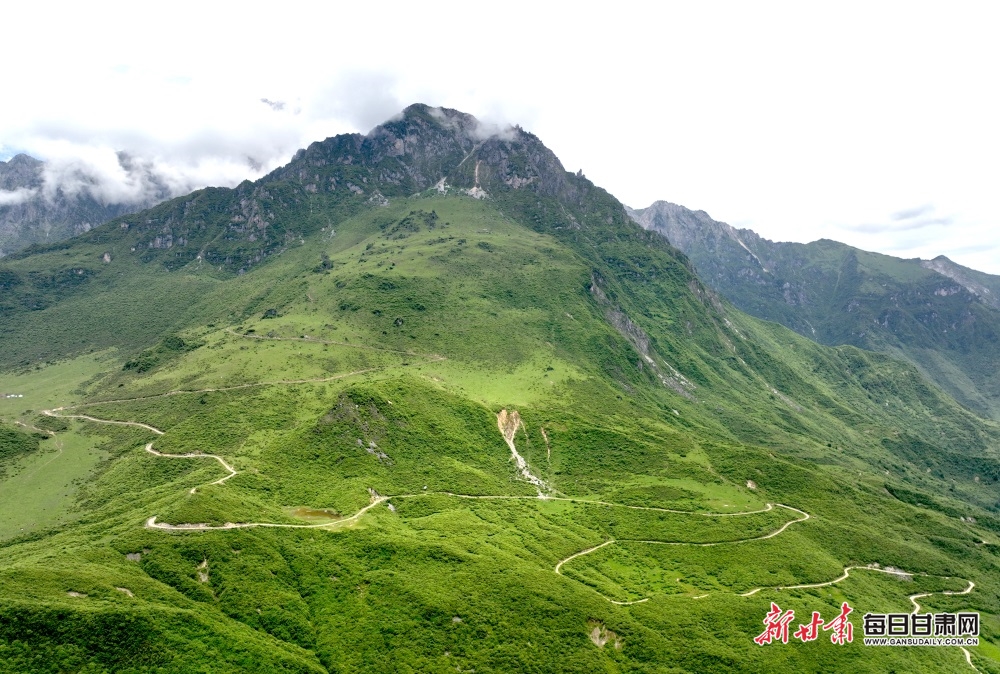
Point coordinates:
[[167, 348], [942, 317], [14, 445], [341, 354]]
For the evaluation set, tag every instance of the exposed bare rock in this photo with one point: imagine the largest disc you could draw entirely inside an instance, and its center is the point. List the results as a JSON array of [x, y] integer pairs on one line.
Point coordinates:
[[34, 208]]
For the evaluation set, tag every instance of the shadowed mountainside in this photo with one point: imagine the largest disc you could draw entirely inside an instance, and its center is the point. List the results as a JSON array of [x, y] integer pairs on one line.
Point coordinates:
[[938, 315]]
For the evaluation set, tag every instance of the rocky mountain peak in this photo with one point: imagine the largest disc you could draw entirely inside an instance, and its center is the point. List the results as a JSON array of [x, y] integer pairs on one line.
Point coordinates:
[[423, 147], [689, 230], [20, 172], [984, 286]]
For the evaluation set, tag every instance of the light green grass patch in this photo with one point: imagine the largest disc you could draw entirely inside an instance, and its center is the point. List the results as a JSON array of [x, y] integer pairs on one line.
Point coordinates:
[[529, 383], [42, 488], [50, 385], [229, 360]]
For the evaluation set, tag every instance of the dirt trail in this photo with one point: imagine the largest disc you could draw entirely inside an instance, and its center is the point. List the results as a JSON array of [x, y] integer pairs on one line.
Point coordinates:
[[197, 455], [768, 507], [629, 603], [774, 533], [582, 553], [843, 576], [913, 597], [804, 517], [51, 434], [151, 523], [546, 497], [968, 657], [53, 413], [149, 446], [846, 574]]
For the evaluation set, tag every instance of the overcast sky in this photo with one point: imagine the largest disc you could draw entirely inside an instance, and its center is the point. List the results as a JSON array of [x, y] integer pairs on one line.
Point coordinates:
[[875, 124]]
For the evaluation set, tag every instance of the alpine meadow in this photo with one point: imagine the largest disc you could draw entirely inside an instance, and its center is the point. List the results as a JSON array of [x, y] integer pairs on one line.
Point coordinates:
[[424, 401]]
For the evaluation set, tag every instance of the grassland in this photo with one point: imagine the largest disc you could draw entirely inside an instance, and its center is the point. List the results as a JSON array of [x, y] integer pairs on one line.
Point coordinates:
[[40, 489], [366, 369]]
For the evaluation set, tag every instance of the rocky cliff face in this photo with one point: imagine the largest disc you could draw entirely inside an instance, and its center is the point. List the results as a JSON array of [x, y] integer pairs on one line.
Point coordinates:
[[20, 173], [695, 231], [943, 317], [32, 211], [984, 286], [422, 148]]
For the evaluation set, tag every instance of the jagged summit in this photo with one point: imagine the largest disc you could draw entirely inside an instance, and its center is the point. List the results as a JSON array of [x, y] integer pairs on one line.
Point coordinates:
[[422, 148], [984, 286], [423, 145], [689, 230], [20, 172], [409, 153]]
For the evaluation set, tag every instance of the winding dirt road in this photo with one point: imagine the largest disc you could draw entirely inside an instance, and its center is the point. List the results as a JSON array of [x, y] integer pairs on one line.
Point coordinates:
[[149, 446], [770, 506], [136, 424], [915, 597], [152, 523]]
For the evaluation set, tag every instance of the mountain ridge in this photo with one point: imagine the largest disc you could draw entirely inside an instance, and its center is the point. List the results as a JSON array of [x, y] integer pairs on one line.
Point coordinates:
[[237, 228], [934, 313]]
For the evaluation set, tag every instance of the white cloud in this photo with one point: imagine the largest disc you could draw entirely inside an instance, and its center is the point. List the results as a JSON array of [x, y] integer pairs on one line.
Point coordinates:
[[796, 119], [15, 197]]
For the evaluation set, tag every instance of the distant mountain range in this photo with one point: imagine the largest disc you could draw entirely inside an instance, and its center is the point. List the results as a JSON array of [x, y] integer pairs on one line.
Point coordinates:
[[34, 210], [939, 315]]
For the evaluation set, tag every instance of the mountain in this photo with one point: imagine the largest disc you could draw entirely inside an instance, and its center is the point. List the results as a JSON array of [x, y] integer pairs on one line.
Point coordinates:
[[938, 315], [422, 400], [36, 210], [986, 287]]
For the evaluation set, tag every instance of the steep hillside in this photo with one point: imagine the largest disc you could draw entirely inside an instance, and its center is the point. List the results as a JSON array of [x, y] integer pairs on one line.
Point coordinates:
[[984, 286], [940, 316], [465, 414]]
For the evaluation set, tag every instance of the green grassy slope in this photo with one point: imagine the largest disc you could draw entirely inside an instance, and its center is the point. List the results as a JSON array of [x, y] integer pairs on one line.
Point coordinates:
[[353, 382]]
